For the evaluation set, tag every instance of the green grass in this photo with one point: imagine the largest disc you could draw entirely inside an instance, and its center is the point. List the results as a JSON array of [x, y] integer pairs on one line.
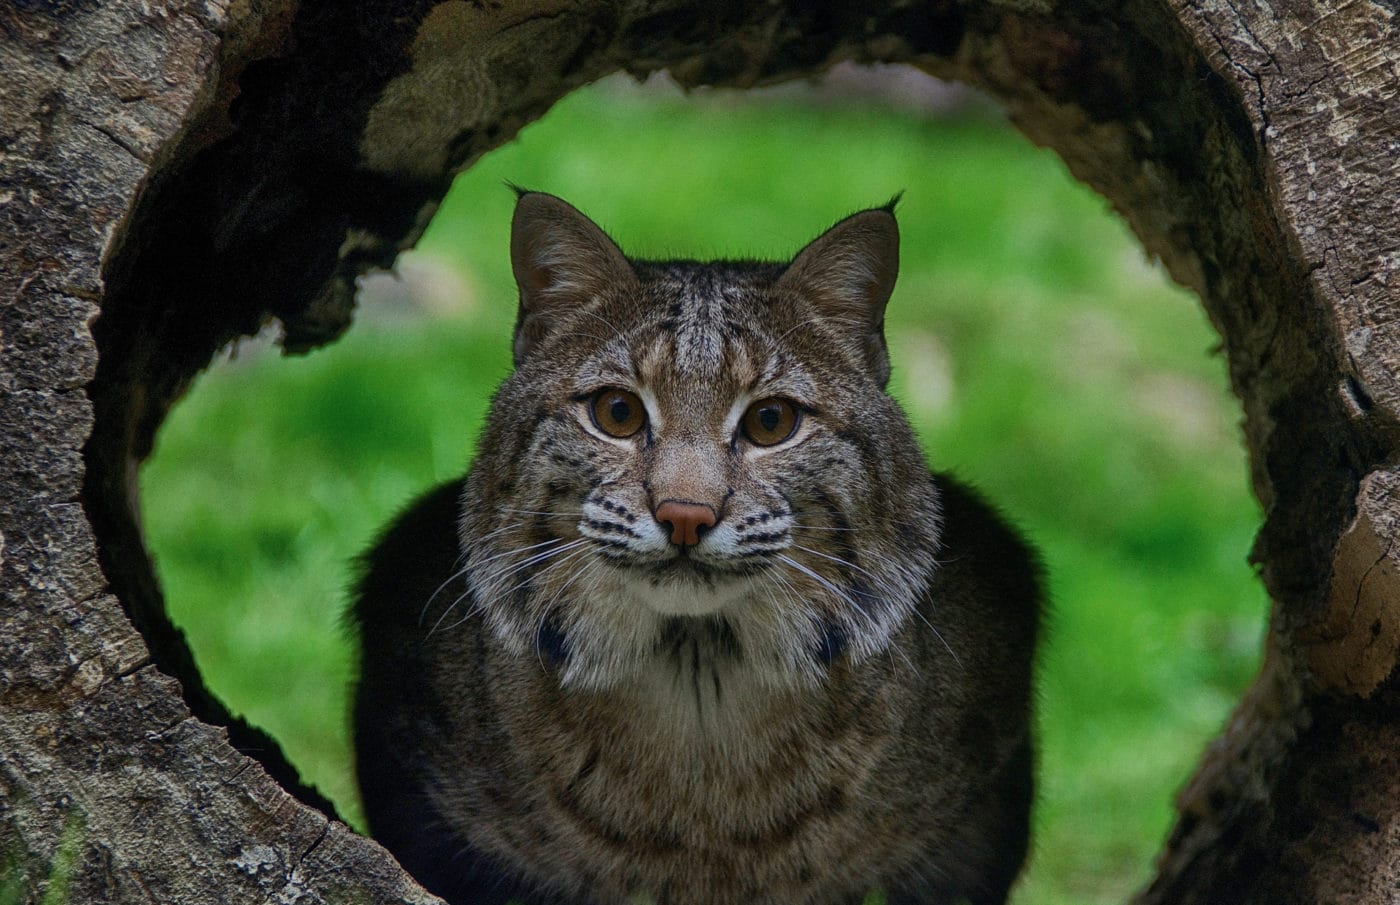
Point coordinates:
[[1039, 357]]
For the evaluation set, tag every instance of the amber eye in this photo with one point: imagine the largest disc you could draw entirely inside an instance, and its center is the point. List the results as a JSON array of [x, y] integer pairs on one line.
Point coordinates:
[[617, 413], [770, 421]]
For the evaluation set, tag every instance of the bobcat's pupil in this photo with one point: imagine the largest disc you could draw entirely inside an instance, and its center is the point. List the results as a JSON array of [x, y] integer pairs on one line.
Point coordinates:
[[621, 412], [769, 416]]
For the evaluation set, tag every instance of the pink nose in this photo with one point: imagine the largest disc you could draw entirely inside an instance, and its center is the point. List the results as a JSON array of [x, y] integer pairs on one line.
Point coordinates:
[[688, 521]]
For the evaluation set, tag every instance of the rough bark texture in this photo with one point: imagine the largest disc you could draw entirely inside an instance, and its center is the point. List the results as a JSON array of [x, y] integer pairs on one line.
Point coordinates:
[[184, 171]]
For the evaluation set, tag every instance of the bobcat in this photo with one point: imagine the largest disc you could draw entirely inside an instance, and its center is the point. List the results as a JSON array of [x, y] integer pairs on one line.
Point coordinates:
[[699, 626]]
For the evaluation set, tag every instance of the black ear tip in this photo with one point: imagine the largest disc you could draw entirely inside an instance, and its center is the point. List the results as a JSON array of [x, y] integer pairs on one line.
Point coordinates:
[[535, 202], [539, 210], [530, 204], [889, 206]]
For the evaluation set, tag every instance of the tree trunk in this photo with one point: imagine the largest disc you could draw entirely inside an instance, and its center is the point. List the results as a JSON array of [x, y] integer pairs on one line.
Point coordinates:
[[183, 171]]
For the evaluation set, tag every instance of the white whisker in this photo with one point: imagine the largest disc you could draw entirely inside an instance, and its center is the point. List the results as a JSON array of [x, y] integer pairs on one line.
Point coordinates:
[[529, 561], [456, 574], [533, 559], [823, 581], [549, 605], [552, 540], [573, 549], [509, 526], [909, 578], [839, 561], [939, 635]]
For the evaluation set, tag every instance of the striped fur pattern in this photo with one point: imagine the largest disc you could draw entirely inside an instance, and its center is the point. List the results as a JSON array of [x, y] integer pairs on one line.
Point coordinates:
[[826, 694]]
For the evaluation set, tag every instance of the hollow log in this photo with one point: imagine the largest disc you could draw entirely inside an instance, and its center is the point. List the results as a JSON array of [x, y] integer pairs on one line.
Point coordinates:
[[174, 175]]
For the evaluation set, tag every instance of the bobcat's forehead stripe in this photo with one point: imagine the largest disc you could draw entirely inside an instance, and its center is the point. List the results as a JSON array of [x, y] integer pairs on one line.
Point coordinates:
[[701, 320]]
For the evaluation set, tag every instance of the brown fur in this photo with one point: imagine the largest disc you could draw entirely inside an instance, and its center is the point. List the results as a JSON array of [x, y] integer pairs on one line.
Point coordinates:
[[830, 693]]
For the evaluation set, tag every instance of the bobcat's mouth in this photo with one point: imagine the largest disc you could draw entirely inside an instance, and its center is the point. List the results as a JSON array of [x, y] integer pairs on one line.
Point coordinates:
[[682, 566], [688, 573]]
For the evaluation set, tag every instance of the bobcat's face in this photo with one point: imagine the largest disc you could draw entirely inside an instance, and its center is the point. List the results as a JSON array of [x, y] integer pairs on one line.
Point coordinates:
[[704, 461], [698, 454]]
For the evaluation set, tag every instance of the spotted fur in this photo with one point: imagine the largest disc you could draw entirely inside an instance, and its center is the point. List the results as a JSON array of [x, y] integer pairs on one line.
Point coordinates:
[[827, 694]]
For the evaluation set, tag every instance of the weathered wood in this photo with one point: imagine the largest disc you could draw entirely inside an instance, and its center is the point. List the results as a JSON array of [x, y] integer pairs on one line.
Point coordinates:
[[191, 169], [106, 781]]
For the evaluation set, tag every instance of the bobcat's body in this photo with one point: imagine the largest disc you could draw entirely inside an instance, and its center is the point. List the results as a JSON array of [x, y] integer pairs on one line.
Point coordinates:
[[688, 664]]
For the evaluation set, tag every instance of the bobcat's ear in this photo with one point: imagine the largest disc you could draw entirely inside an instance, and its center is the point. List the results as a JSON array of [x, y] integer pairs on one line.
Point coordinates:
[[562, 262], [848, 273]]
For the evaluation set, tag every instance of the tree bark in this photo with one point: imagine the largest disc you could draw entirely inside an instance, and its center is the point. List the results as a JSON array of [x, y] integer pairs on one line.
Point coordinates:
[[184, 171]]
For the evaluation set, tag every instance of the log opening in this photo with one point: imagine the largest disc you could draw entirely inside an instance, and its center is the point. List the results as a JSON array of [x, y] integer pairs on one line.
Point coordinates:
[[322, 133]]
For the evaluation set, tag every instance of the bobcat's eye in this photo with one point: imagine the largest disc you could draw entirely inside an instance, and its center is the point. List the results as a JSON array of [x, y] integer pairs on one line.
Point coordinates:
[[617, 413], [769, 422]]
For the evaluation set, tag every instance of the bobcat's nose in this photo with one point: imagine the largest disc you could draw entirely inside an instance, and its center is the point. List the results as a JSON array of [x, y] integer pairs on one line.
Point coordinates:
[[689, 521]]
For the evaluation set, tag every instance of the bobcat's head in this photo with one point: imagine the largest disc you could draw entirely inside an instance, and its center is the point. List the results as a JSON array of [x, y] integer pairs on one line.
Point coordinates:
[[697, 459]]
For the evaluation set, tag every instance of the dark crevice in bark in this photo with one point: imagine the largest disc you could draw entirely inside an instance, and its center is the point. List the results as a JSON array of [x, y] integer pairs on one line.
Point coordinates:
[[247, 231]]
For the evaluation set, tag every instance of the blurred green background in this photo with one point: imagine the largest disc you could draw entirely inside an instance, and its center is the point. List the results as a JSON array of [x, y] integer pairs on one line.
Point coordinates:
[[1038, 355]]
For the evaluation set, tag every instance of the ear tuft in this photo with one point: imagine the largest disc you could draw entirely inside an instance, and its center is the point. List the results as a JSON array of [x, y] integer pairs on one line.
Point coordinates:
[[562, 261], [848, 274]]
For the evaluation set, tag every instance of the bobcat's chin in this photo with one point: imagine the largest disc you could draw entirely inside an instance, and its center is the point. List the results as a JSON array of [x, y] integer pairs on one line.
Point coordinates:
[[682, 584], [686, 587]]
